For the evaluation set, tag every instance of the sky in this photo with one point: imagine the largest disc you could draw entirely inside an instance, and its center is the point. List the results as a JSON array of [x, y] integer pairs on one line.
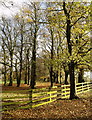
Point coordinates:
[[10, 7], [7, 9]]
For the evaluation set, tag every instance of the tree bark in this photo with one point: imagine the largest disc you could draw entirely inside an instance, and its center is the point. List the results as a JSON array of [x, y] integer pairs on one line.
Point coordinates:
[[60, 77], [21, 51], [11, 69], [28, 73], [80, 75], [71, 65], [16, 69], [33, 62], [51, 75], [66, 76], [5, 71], [72, 80], [5, 75], [57, 77], [25, 82], [52, 50]]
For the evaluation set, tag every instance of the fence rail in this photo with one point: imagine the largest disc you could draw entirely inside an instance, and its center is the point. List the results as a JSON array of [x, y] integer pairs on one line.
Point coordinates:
[[34, 98]]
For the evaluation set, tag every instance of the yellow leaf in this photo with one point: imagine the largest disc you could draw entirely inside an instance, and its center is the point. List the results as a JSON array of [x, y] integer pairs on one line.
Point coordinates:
[[29, 20]]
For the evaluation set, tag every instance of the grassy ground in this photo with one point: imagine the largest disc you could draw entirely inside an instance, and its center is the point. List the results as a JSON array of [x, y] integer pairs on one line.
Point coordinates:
[[86, 95]]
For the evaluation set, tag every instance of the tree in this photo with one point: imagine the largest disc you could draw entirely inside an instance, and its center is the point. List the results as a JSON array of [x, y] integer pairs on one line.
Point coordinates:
[[23, 48], [4, 61], [72, 14], [69, 25], [33, 18], [9, 40], [21, 53]]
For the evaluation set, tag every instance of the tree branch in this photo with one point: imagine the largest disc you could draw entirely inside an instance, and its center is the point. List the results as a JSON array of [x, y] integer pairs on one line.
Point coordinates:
[[77, 20], [86, 51]]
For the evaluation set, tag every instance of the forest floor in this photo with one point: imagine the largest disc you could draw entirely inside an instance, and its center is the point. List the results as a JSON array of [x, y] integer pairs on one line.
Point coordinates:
[[25, 86], [78, 109]]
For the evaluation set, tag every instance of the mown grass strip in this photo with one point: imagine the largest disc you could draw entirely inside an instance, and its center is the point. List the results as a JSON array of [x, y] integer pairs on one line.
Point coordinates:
[[25, 107], [17, 91], [15, 97], [11, 103]]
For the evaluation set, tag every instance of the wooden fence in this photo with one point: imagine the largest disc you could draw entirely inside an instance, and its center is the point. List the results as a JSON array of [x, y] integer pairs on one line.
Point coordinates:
[[33, 98]]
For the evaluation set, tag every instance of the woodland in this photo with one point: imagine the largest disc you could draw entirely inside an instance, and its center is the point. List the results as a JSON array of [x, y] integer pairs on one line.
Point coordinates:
[[47, 42]]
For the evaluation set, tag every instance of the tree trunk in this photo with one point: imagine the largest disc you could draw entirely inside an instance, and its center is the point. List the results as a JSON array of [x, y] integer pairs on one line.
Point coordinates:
[[28, 74], [16, 69], [5, 75], [33, 64], [25, 74], [21, 51], [52, 50], [60, 77], [66, 76], [33, 60], [72, 81], [28, 66], [11, 69], [71, 65], [5, 71], [33, 73], [20, 71], [51, 75], [26, 69], [54, 76], [80, 75], [57, 77]]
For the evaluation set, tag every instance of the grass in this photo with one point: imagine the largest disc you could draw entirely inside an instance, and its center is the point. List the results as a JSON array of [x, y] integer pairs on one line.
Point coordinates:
[[86, 94]]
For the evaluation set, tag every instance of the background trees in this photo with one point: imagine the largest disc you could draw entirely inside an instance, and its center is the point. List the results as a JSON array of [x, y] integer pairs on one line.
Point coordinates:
[[8, 45]]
